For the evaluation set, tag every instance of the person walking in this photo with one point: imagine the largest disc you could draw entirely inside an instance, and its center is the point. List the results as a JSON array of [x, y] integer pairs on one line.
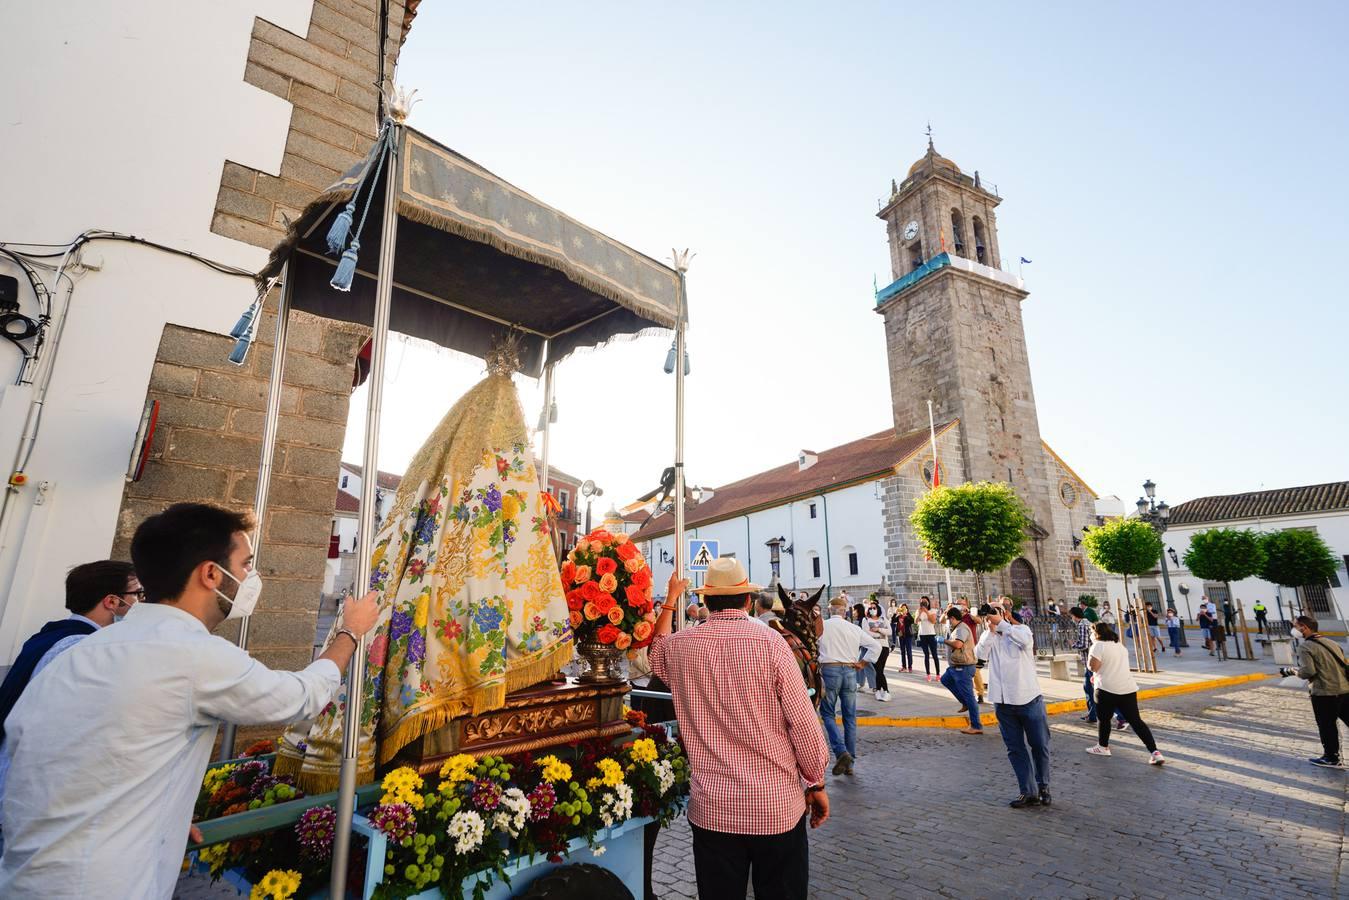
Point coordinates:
[[1322, 664], [1173, 627], [959, 675], [927, 639], [1116, 689], [752, 741], [1205, 627], [109, 745], [902, 623], [1014, 687], [844, 649], [877, 628]]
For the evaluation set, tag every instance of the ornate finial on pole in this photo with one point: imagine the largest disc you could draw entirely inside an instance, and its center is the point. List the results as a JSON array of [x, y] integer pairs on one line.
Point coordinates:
[[930, 148], [681, 259], [400, 102]]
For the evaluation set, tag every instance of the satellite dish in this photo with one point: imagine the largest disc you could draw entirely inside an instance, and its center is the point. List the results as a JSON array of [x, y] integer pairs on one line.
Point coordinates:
[[588, 488]]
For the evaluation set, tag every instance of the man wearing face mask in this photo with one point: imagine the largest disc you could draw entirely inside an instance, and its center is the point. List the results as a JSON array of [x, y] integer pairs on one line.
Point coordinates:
[[145, 700], [97, 594]]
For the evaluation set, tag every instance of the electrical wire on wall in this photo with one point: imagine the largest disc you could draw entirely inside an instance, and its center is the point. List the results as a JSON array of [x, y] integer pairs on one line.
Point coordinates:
[[40, 362]]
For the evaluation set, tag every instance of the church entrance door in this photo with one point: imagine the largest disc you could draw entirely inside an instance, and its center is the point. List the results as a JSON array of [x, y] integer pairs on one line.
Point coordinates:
[[1023, 583]]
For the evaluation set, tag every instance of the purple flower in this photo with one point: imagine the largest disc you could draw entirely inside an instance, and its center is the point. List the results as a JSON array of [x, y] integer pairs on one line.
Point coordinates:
[[492, 499], [315, 831], [396, 820], [541, 801], [426, 529], [399, 625], [486, 794], [416, 647]]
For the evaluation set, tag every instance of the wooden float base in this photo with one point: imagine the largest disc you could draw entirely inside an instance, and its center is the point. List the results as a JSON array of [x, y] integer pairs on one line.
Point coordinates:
[[542, 716]]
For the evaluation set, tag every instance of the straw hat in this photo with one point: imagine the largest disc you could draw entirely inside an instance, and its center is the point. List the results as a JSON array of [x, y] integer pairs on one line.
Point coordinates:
[[726, 577]]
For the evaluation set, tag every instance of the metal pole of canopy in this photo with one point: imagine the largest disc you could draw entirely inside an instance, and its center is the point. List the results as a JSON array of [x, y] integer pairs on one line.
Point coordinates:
[[681, 263], [270, 419], [547, 419], [351, 732]]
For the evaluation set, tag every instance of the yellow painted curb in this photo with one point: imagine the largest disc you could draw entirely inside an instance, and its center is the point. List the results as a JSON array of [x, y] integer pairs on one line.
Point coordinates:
[[1060, 706]]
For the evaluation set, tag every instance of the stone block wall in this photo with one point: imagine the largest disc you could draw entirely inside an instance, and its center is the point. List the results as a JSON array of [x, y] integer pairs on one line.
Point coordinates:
[[1068, 523], [207, 447], [208, 444]]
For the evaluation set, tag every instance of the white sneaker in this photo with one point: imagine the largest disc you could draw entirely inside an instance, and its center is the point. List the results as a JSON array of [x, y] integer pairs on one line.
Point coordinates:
[[880, 695], [1098, 750], [885, 696], [1157, 758]]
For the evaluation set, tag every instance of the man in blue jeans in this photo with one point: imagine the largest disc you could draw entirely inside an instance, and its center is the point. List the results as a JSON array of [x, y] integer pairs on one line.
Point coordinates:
[[959, 675], [1014, 689], [844, 649]]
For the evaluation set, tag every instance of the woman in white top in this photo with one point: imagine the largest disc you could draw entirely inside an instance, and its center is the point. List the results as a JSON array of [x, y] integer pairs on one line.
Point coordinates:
[[877, 627], [927, 638], [1115, 690]]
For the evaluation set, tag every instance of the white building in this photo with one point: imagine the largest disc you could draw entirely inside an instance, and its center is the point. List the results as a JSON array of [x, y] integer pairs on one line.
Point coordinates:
[[1323, 508], [830, 510], [342, 547]]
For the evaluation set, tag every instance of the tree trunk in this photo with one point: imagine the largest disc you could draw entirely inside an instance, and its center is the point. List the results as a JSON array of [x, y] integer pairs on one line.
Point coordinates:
[[1236, 639], [979, 586]]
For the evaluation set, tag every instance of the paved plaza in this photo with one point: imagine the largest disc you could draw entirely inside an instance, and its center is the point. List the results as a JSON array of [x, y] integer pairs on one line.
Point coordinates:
[[1236, 812]]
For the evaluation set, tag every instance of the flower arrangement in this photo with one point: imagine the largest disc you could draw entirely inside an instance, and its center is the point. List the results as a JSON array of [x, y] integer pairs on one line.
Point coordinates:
[[276, 863], [608, 588], [483, 811]]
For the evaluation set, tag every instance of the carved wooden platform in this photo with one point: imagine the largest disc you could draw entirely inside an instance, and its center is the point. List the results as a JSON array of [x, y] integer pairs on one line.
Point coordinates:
[[545, 715]]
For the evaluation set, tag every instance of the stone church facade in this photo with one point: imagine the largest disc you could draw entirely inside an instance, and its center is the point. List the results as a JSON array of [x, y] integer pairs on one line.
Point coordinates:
[[954, 335]]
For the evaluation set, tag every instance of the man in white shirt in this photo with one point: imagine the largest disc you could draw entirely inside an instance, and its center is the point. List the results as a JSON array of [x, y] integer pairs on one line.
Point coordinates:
[[841, 656], [110, 744], [1014, 688]]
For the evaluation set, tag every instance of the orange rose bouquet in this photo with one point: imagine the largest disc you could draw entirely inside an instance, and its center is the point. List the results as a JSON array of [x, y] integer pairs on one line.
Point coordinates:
[[608, 588]]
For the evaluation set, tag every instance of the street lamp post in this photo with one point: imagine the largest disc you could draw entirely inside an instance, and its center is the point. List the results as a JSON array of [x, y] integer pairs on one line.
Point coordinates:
[[775, 560], [1156, 513], [590, 492]]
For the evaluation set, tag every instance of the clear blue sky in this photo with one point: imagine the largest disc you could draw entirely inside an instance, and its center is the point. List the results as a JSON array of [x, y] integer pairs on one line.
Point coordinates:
[[1177, 173]]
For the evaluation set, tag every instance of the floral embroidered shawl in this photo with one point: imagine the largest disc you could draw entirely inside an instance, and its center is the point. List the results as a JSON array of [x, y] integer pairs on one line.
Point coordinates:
[[471, 602]]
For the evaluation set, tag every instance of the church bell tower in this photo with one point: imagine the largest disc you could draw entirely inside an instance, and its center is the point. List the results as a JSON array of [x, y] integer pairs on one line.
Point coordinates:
[[954, 335]]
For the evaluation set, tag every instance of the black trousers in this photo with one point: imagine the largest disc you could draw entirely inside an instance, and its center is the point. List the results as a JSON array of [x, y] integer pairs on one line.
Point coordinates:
[[881, 683], [1127, 704], [1330, 711], [778, 863]]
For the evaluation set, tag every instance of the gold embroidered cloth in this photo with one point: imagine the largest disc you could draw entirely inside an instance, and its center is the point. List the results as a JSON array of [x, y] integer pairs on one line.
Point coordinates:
[[471, 602]]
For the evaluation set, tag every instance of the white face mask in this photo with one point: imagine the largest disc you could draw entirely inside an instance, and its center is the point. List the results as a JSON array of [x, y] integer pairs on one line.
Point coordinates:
[[245, 598]]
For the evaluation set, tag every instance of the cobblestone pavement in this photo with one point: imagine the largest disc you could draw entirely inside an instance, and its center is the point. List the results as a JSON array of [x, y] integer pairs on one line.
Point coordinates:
[[1236, 812]]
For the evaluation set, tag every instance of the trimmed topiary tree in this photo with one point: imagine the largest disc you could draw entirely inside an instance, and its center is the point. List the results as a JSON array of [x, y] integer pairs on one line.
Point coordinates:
[[1226, 555], [1124, 547], [1295, 558], [976, 527]]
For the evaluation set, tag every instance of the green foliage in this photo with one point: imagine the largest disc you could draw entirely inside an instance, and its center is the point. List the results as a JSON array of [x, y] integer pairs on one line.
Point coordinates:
[[1225, 554], [1086, 601], [975, 527], [1123, 547], [1294, 558]]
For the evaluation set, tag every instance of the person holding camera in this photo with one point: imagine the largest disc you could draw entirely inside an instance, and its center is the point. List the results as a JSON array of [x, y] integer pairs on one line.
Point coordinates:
[[1322, 665], [1014, 687], [959, 675]]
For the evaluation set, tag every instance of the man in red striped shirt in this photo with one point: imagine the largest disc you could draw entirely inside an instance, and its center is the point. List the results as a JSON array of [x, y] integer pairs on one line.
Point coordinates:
[[755, 747]]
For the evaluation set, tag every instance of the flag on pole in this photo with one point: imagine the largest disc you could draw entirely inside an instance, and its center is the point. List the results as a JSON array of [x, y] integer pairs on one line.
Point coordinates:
[[1024, 261], [941, 235]]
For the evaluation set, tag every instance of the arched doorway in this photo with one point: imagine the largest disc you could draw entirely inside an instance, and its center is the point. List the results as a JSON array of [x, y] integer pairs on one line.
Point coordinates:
[[1023, 583]]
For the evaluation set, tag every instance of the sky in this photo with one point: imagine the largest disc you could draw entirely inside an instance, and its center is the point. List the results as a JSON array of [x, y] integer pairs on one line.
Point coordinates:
[[1175, 173]]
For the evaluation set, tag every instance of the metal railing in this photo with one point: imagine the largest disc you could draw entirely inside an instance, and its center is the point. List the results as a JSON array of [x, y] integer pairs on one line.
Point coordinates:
[[1054, 635]]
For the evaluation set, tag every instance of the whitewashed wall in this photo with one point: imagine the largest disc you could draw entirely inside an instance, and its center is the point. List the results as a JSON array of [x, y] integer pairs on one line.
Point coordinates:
[[117, 116], [854, 520]]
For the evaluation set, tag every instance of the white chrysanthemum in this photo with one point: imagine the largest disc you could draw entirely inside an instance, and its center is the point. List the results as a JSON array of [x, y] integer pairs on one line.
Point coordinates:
[[616, 806], [515, 810], [665, 774], [599, 851], [467, 828]]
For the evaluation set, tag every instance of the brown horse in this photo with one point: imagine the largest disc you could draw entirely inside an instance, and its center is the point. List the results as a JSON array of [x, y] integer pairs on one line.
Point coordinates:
[[801, 626]]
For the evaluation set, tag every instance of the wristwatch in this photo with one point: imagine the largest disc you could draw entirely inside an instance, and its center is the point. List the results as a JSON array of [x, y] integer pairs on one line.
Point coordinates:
[[351, 634]]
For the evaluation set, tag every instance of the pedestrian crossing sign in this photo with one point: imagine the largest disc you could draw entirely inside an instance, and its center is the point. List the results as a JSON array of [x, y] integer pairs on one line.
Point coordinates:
[[701, 554]]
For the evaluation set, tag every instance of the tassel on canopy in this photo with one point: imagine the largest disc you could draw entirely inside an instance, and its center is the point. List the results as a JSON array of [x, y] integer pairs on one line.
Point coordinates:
[[346, 268], [341, 228]]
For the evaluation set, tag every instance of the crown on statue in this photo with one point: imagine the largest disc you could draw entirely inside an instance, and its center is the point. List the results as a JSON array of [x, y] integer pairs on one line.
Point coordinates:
[[504, 357]]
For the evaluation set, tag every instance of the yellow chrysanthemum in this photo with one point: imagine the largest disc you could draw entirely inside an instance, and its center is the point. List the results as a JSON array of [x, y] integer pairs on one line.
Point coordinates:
[[611, 771], [276, 885], [215, 777], [510, 507], [644, 750], [458, 768], [403, 785], [423, 610], [554, 769], [593, 783]]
